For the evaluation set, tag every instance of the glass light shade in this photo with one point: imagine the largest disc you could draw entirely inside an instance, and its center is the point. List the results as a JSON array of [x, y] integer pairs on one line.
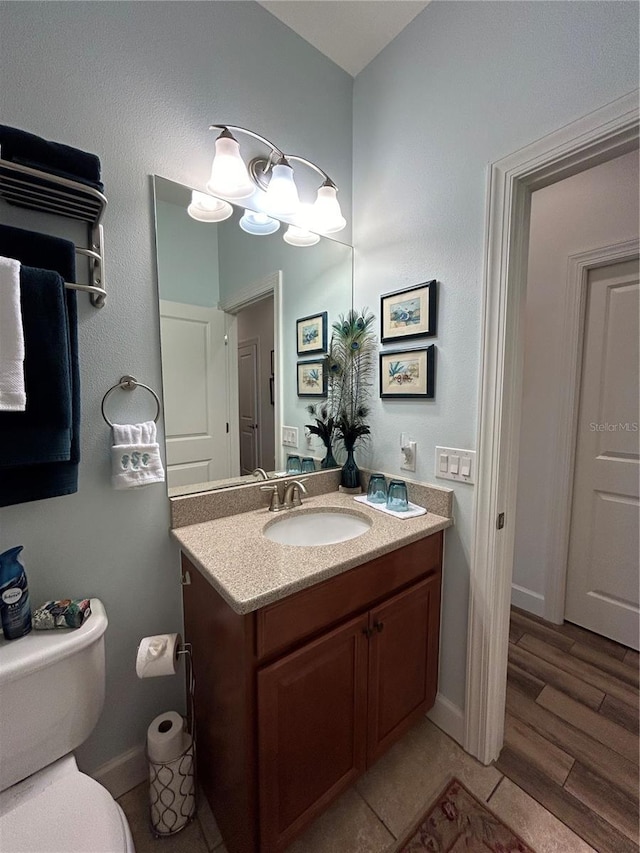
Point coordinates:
[[229, 175], [281, 197], [327, 216], [206, 208], [295, 236], [258, 223]]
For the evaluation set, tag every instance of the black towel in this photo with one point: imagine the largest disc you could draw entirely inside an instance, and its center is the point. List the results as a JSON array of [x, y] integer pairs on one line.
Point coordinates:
[[47, 480], [27, 149], [42, 433]]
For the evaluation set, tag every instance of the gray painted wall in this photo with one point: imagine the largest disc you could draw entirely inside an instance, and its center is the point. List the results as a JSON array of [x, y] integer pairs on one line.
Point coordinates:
[[463, 85], [187, 257], [138, 84]]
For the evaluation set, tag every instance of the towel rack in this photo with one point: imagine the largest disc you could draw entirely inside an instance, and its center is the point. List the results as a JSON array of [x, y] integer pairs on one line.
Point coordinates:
[[128, 383], [38, 190]]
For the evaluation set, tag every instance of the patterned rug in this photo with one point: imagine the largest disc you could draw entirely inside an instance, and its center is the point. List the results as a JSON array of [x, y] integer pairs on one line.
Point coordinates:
[[456, 822]]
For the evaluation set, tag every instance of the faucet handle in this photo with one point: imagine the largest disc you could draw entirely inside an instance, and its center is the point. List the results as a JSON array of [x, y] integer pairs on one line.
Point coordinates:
[[274, 505]]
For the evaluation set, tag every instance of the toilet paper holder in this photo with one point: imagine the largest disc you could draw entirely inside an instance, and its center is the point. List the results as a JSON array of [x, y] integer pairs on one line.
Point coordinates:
[[172, 788]]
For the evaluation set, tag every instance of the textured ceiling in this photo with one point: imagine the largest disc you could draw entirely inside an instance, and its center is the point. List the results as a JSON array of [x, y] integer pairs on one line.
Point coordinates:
[[350, 32]]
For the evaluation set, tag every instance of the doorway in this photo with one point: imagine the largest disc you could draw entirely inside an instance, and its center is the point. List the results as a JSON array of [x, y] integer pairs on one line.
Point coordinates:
[[256, 424], [568, 525], [603, 135]]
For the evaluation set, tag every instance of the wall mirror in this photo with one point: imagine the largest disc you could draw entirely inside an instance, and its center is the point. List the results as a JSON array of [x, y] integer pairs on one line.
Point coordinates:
[[229, 306]]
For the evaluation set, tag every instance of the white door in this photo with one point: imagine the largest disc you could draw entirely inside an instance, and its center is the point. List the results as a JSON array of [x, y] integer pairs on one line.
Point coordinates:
[[602, 572], [248, 405], [194, 375]]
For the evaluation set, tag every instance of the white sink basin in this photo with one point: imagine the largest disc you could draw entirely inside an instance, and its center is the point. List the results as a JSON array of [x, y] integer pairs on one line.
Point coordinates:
[[316, 528]]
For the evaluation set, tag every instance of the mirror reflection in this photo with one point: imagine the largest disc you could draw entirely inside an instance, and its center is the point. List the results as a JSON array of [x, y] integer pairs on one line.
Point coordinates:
[[229, 302]]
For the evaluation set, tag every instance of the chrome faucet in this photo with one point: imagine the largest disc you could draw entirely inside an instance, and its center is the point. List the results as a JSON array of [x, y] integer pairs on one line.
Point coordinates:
[[292, 493], [261, 473]]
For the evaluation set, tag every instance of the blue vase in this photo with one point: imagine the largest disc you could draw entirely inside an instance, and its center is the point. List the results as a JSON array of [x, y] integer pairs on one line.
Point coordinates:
[[350, 478], [329, 461]]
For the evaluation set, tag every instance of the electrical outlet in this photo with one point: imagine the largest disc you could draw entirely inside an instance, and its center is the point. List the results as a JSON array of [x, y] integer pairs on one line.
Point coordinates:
[[408, 450], [290, 436], [454, 464]]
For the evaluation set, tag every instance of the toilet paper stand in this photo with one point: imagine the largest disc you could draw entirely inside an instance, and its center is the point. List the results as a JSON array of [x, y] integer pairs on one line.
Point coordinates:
[[172, 790]]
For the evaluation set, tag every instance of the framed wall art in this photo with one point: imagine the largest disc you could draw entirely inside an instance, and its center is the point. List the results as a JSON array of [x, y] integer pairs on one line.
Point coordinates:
[[409, 313], [311, 334], [408, 373], [312, 380]]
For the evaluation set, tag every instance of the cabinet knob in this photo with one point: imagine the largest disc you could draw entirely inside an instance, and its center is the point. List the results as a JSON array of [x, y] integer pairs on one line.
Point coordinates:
[[367, 632], [378, 626]]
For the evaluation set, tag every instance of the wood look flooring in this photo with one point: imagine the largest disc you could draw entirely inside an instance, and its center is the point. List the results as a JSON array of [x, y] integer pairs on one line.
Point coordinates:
[[571, 729]]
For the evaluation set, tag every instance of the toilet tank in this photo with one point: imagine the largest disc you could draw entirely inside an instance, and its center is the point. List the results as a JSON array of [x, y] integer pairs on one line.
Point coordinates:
[[51, 694]]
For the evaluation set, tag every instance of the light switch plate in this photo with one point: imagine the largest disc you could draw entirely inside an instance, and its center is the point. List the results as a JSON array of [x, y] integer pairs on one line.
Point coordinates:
[[290, 436], [466, 460]]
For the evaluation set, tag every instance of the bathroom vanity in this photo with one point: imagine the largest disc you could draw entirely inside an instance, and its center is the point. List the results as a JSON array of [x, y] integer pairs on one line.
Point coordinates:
[[309, 662]]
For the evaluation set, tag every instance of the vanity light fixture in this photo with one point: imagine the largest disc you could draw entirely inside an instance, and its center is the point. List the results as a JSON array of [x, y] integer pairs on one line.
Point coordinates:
[[206, 208], [272, 181], [295, 236], [229, 175], [258, 223]]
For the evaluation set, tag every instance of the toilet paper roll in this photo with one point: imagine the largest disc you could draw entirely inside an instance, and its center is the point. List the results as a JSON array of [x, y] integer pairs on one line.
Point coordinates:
[[166, 737], [158, 655]]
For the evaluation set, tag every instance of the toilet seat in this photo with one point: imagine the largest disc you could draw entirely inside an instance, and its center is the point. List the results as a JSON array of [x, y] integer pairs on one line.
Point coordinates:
[[61, 810]]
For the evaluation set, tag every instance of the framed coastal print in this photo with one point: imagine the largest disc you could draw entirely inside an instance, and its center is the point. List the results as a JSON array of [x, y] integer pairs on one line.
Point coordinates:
[[311, 334], [408, 373], [409, 313], [312, 380]]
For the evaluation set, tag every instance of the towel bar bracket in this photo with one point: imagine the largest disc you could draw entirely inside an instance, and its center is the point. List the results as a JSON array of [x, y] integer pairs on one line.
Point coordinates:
[[96, 262]]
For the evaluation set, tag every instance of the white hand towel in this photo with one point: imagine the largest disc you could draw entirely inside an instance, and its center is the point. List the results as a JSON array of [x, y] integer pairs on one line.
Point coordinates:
[[135, 456], [12, 391]]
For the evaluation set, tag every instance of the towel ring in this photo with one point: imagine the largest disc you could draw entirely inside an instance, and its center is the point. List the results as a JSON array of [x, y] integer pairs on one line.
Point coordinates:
[[128, 383]]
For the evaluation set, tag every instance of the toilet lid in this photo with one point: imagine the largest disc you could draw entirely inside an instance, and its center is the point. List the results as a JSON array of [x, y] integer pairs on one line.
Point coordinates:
[[72, 814]]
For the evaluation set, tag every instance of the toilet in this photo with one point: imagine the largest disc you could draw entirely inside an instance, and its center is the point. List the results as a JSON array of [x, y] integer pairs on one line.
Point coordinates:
[[52, 686]]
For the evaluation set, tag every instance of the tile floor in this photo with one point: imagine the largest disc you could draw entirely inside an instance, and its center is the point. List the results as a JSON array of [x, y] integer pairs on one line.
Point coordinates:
[[383, 805]]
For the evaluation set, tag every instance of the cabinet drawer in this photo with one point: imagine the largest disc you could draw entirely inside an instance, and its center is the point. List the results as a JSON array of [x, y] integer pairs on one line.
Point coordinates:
[[284, 623]]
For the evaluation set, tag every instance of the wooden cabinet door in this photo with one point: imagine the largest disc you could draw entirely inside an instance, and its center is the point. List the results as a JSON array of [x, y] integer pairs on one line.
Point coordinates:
[[312, 710], [403, 663]]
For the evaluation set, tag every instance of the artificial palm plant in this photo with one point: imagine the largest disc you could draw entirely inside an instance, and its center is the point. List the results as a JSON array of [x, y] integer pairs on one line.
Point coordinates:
[[350, 368]]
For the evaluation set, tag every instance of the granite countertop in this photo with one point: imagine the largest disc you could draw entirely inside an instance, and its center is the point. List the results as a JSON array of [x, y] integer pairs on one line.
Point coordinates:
[[250, 571]]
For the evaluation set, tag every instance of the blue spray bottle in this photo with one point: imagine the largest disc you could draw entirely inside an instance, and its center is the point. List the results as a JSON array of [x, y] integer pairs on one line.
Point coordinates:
[[14, 595]]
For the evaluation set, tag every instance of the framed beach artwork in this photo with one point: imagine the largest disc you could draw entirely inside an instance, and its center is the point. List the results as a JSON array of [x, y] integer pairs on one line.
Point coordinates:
[[409, 313], [311, 334], [408, 373], [312, 380]]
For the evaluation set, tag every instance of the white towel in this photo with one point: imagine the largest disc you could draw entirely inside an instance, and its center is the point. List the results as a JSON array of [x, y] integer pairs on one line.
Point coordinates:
[[12, 391], [135, 456]]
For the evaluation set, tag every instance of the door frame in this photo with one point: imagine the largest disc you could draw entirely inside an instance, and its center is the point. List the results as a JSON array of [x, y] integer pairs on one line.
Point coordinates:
[[259, 289], [254, 343], [570, 372], [602, 135]]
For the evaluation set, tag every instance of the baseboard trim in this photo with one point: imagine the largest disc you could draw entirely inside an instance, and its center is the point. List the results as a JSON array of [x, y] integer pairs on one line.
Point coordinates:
[[448, 717], [527, 600], [123, 772]]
